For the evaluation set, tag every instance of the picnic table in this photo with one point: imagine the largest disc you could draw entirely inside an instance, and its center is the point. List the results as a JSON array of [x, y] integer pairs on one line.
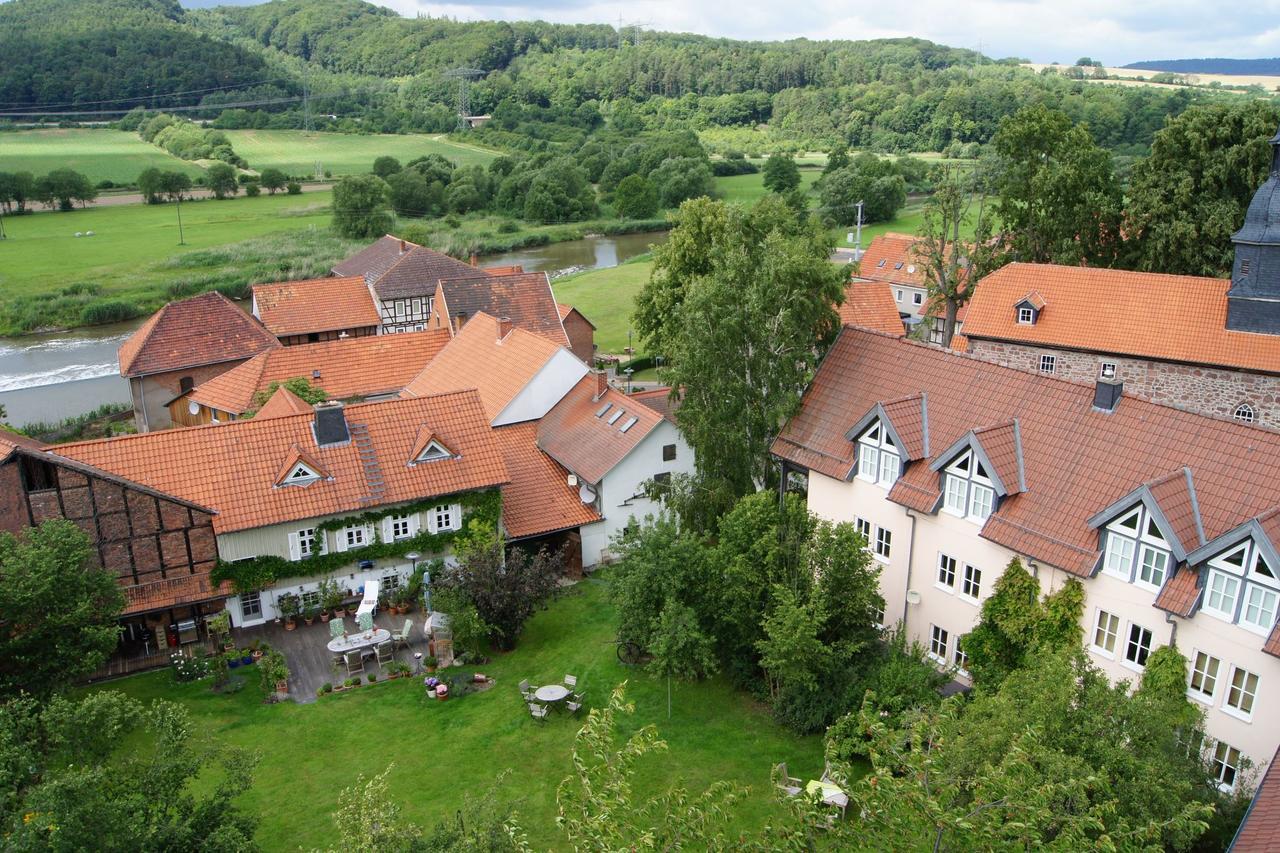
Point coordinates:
[[362, 640], [552, 693], [830, 792]]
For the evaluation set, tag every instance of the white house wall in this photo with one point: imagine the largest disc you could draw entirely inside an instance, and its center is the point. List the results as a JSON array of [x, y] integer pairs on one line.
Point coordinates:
[[949, 609], [548, 387]]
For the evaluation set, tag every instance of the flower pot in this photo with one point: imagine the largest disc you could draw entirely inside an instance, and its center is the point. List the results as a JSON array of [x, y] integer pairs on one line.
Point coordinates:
[[324, 617], [247, 660], [233, 663], [290, 624], [310, 620], [282, 686], [257, 655]]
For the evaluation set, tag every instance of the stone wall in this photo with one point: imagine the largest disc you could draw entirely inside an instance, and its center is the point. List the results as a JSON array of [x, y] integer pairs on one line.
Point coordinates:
[[1208, 390]]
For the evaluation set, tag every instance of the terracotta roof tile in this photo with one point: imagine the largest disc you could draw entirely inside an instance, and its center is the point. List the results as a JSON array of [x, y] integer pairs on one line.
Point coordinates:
[[870, 304], [1272, 646], [1077, 461], [374, 260], [283, 403], [205, 329], [661, 400], [1002, 446], [1168, 317], [1181, 593], [1259, 832], [906, 415], [9, 440], [1175, 494], [315, 305], [476, 358], [353, 367], [232, 468], [889, 258], [417, 273], [538, 499], [590, 446], [523, 298]]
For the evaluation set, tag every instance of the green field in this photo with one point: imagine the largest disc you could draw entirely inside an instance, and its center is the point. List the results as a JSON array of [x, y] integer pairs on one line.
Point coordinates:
[[607, 298], [297, 153], [99, 153], [444, 751], [747, 189]]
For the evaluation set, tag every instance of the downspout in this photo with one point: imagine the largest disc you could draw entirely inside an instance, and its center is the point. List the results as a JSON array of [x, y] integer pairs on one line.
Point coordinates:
[[911, 555], [1173, 629], [142, 395]]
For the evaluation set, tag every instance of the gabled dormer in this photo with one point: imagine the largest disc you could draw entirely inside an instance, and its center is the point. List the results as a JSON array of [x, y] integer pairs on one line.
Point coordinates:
[[889, 436], [981, 468], [300, 469], [1145, 533], [1027, 309], [1241, 574], [428, 447]]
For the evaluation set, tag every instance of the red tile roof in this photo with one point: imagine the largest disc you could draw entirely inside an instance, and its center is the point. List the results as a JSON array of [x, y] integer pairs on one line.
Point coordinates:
[[1181, 593], [1166, 317], [539, 498], [907, 415], [315, 305], [870, 304], [566, 310], [587, 441], [9, 440], [890, 258], [1077, 461], [374, 260], [184, 590], [353, 367], [205, 329], [476, 358], [1002, 446], [1259, 832], [232, 468], [283, 403], [523, 298], [661, 400]]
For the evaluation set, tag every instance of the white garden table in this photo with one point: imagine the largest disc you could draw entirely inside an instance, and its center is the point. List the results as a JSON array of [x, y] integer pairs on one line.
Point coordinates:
[[361, 640], [552, 693]]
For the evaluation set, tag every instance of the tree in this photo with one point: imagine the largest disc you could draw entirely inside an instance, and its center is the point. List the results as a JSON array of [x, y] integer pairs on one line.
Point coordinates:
[[740, 301], [1059, 201], [657, 562], [65, 187], [504, 590], [679, 647], [952, 266], [681, 178], [412, 195], [781, 173], [1190, 195], [221, 178], [557, 192], [60, 609], [149, 185], [837, 159], [470, 633], [369, 821], [869, 180], [273, 180], [174, 185], [597, 806], [16, 189], [386, 166], [75, 778], [635, 198], [360, 207]]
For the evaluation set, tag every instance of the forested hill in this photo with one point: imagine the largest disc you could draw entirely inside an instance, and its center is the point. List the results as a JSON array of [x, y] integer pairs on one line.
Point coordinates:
[[1212, 66]]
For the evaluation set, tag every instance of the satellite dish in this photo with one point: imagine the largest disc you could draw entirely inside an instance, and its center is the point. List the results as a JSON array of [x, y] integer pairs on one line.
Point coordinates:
[[911, 268], [193, 407], [586, 494]]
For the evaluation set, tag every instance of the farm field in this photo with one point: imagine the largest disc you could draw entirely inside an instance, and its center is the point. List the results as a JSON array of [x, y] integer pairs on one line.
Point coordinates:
[[100, 153], [297, 153], [1142, 77], [444, 751]]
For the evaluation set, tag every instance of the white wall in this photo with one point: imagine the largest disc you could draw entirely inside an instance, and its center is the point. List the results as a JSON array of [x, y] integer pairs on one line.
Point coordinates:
[[835, 500], [904, 296], [548, 387]]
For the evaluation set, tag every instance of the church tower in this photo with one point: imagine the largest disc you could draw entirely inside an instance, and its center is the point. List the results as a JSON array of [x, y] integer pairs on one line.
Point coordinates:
[[1253, 302]]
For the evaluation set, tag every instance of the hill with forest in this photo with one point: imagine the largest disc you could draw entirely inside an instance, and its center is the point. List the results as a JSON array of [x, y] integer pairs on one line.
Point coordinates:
[[547, 86], [1243, 67]]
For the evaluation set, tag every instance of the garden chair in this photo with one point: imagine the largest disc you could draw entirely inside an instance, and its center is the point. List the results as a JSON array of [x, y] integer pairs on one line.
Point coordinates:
[[527, 690], [385, 653], [401, 637], [365, 621], [355, 663], [337, 627], [571, 681], [787, 784], [575, 702], [539, 712]]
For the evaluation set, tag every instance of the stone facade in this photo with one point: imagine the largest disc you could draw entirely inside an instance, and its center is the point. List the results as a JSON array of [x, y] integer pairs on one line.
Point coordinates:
[[1215, 391]]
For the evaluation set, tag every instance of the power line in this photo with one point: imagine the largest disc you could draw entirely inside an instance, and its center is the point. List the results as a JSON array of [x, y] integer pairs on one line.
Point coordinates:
[[464, 75], [184, 92]]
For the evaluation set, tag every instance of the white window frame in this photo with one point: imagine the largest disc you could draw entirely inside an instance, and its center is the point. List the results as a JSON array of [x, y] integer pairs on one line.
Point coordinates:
[[450, 513], [1251, 602], [939, 636], [1245, 413], [1048, 364], [899, 295], [1203, 681], [355, 536], [861, 525], [873, 446], [251, 607], [1240, 569], [301, 475], [1241, 694], [1215, 595], [1153, 562], [1127, 549], [399, 527], [883, 548], [1143, 651], [1026, 316], [917, 298], [1107, 370], [305, 542], [957, 495], [1110, 631], [971, 583], [1225, 773], [946, 576], [961, 481], [310, 598]]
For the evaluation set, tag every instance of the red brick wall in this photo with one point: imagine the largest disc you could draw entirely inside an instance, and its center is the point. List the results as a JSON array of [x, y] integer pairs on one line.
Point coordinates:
[[581, 336], [1208, 390]]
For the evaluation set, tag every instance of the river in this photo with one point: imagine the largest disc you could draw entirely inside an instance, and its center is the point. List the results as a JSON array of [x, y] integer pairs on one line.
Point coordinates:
[[53, 376]]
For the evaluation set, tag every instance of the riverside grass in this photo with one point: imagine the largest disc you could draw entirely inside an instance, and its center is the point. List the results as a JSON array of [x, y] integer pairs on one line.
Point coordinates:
[[442, 751]]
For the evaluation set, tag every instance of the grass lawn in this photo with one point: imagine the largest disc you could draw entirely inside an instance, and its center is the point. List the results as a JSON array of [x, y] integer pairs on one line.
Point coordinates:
[[748, 189], [297, 153], [607, 298], [442, 751], [99, 153]]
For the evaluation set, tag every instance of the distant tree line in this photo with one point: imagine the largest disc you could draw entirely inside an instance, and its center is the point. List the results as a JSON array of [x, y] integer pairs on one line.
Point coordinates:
[[61, 188]]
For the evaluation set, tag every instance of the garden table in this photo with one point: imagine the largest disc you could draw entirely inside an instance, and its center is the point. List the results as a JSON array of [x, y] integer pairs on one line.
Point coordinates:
[[830, 792], [362, 640], [552, 693]]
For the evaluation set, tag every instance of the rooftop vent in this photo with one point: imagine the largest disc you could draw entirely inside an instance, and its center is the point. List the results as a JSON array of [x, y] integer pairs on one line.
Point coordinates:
[[1106, 395], [315, 374], [331, 425]]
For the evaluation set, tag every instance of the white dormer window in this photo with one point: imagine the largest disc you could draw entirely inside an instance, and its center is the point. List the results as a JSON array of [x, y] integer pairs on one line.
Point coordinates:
[[434, 450], [1135, 551], [968, 490], [301, 475], [1026, 316], [878, 459], [1241, 587]]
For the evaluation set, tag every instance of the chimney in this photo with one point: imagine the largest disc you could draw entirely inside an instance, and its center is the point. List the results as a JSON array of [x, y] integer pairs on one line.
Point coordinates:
[[403, 247], [475, 259], [602, 385], [504, 327], [331, 425], [1106, 396]]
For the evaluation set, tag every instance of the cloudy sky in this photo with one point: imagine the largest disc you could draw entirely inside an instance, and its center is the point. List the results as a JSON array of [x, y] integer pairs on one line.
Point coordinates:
[[1114, 31]]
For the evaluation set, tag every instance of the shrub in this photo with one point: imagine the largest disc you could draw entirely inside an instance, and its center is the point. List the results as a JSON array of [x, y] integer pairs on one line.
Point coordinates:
[[373, 676], [252, 189], [295, 188], [108, 311], [508, 226], [326, 688]]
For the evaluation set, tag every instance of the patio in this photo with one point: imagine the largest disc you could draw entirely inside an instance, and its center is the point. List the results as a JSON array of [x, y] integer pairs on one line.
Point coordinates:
[[311, 662]]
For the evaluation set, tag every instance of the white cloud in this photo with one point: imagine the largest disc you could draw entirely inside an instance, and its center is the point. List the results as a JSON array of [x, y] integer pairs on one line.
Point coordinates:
[[1042, 30]]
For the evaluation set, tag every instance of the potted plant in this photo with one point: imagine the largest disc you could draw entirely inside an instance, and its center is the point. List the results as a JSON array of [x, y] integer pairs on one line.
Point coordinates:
[[289, 604], [330, 598], [309, 615], [385, 603], [431, 663], [232, 657], [256, 651], [220, 628]]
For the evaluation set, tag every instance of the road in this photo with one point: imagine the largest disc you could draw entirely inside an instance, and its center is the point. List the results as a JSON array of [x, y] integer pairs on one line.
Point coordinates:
[[196, 192]]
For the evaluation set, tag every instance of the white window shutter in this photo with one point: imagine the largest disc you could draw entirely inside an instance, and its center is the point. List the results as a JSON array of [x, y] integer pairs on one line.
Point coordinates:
[[321, 545], [455, 515], [342, 539], [415, 523], [431, 521], [387, 533], [295, 547], [368, 534]]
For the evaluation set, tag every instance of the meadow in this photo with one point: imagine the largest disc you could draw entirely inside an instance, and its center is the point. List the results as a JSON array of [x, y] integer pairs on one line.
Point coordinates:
[[296, 153], [99, 153], [441, 752]]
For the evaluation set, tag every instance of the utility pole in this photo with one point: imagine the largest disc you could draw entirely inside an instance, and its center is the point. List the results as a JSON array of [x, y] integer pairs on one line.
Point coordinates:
[[857, 246], [2, 222], [306, 100], [178, 203]]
